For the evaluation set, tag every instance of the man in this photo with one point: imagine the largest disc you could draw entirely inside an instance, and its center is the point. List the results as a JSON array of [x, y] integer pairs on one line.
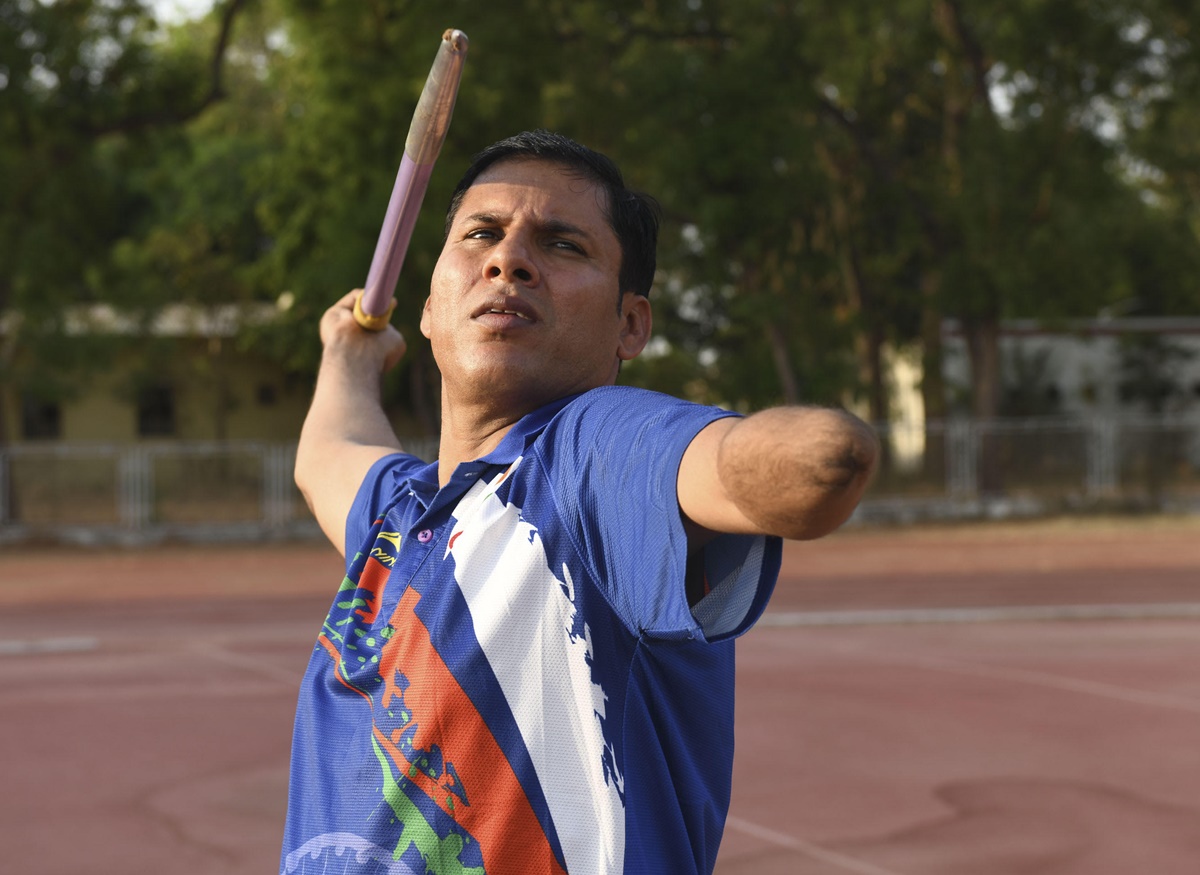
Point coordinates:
[[529, 666]]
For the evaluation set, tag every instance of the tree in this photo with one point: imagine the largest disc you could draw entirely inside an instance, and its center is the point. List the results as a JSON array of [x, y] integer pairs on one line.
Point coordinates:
[[84, 87], [835, 177]]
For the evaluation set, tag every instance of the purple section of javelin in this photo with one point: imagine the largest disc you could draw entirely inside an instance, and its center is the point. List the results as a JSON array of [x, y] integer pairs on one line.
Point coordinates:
[[411, 182]]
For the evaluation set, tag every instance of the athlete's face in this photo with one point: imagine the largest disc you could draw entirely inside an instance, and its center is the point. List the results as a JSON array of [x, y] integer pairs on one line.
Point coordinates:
[[523, 301]]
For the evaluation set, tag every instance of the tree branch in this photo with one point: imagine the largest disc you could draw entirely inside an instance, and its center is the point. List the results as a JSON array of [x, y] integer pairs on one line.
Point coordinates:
[[140, 120], [954, 25], [882, 169]]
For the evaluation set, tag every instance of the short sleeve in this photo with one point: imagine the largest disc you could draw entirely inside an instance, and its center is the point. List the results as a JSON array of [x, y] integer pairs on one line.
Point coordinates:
[[375, 494], [613, 458]]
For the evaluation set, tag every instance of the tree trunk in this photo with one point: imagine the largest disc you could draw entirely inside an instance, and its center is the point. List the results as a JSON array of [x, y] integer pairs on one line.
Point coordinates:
[[933, 381], [983, 348], [877, 392], [8, 395], [868, 341], [788, 382], [8, 495], [868, 347]]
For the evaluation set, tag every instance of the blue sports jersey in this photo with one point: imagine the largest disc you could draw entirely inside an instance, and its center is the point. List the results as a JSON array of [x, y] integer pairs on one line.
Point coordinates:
[[510, 678]]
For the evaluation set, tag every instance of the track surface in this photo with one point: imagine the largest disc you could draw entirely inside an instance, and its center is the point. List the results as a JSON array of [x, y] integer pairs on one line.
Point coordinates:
[[146, 702]]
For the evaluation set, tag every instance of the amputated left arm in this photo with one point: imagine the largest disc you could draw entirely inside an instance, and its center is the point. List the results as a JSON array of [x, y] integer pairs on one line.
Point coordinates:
[[795, 472]]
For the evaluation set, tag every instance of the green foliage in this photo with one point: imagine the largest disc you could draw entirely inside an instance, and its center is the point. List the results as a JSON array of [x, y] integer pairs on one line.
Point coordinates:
[[833, 175]]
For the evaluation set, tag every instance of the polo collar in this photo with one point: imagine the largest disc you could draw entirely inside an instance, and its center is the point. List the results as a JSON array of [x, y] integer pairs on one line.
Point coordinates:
[[423, 483], [523, 433]]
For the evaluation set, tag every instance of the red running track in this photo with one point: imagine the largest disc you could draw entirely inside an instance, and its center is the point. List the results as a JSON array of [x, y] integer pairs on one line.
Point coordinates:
[[880, 732]]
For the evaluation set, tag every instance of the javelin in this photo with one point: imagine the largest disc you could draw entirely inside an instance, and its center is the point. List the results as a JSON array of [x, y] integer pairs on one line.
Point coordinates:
[[431, 120]]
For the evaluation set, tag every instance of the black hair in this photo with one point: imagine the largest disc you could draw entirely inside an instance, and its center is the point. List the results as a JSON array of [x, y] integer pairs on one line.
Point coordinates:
[[632, 215]]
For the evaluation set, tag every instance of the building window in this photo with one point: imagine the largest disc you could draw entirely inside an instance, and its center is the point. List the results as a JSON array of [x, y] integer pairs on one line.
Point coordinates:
[[40, 419], [156, 411]]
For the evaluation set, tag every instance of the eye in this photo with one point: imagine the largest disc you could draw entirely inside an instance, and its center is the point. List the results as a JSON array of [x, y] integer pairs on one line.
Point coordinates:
[[567, 245], [482, 234]]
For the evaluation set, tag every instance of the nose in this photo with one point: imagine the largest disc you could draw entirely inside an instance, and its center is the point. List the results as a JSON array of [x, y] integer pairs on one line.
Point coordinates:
[[509, 260]]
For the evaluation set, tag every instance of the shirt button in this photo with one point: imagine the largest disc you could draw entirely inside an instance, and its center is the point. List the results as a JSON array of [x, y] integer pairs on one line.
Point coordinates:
[[425, 536]]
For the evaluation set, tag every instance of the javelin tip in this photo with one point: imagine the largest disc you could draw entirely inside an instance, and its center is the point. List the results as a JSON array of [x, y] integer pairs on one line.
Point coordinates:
[[456, 38]]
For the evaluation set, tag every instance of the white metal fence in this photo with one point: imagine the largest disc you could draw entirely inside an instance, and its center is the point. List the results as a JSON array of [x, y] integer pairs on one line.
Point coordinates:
[[238, 490], [962, 468], [955, 469]]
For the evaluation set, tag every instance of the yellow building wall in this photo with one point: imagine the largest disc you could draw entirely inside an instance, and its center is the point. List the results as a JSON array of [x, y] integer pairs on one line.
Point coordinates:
[[219, 394]]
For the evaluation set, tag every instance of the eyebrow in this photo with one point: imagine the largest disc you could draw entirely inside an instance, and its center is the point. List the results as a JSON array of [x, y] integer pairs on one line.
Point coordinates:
[[557, 226], [481, 219], [551, 226]]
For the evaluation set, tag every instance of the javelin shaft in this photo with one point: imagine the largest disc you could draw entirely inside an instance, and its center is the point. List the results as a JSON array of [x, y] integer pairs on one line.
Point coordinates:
[[425, 137]]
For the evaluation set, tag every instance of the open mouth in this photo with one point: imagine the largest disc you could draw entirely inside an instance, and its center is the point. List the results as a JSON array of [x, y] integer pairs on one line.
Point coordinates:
[[511, 309], [509, 313]]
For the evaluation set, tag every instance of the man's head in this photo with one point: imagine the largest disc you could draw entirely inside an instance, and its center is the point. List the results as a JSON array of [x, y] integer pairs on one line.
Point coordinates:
[[521, 301], [632, 216]]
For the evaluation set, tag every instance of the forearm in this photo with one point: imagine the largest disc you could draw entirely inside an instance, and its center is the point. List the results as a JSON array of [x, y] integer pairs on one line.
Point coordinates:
[[797, 472], [346, 430], [346, 412], [344, 433]]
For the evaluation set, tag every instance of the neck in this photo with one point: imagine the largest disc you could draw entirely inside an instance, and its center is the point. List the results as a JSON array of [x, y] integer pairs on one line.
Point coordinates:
[[470, 432]]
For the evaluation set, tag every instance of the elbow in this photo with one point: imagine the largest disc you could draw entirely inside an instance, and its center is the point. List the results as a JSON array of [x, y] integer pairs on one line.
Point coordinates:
[[302, 476]]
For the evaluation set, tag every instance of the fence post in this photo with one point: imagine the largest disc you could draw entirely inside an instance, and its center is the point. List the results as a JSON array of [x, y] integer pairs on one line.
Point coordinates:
[[1102, 457], [5, 510], [135, 488], [962, 475], [276, 484]]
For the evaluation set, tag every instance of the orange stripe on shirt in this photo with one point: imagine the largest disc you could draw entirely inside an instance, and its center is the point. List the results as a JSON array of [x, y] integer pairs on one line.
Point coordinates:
[[371, 584], [499, 816]]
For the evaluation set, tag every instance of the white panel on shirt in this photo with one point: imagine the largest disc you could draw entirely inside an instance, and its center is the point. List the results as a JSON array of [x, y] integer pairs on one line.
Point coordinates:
[[523, 615]]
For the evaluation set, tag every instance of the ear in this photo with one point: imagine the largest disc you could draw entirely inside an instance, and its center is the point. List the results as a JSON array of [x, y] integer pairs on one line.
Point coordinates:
[[636, 323], [425, 317]]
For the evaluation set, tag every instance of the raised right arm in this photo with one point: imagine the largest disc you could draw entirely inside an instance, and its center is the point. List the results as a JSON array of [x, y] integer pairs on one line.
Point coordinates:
[[346, 430]]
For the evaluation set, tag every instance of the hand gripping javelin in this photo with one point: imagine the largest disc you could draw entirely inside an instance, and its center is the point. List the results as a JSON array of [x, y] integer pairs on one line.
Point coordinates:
[[431, 120]]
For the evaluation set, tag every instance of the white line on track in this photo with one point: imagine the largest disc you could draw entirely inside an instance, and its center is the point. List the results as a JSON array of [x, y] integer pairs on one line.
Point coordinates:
[[900, 616], [289, 677], [1045, 679], [816, 852], [73, 696], [1053, 681], [25, 647]]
